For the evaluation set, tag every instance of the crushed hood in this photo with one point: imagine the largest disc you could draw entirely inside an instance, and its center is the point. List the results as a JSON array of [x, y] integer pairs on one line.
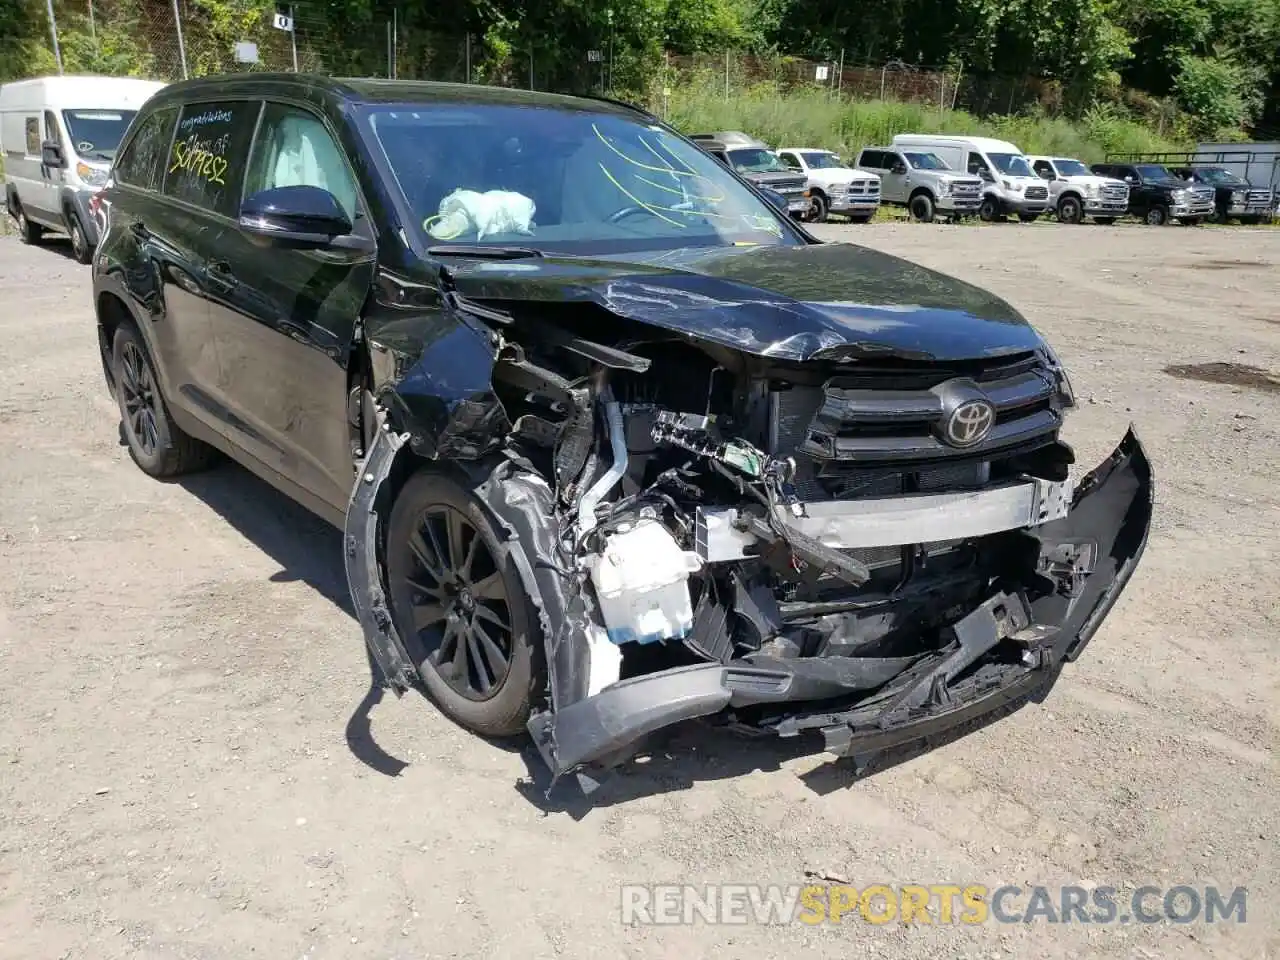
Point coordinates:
[[821, 301]]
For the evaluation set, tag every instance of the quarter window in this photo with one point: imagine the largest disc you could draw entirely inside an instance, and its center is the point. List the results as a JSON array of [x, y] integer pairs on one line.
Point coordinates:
[[294, 148], [33, 136], [142, 164], [206, 162]]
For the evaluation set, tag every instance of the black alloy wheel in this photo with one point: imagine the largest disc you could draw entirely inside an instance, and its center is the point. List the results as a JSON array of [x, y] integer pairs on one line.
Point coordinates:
[[139, 399], [459, 603]]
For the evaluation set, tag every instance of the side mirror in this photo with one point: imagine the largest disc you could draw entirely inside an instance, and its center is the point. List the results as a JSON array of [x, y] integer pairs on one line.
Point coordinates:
[[986, 175], [898, 168], [300, 217], [776, 200], [51, 155]]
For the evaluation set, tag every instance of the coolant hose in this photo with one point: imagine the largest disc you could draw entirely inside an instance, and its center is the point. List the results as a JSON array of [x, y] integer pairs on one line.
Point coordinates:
[[591, 499]]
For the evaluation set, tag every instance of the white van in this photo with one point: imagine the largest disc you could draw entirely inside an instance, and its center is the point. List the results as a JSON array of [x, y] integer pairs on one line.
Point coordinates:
[[59, 136], [1011, 186]]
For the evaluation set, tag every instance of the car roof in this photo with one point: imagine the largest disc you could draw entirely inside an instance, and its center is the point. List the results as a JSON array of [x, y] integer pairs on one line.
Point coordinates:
[[984, 144], [329, 91], [807, 150]]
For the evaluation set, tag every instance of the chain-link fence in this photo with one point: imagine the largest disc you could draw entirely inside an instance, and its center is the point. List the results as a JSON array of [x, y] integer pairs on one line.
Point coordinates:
[[172, 39]]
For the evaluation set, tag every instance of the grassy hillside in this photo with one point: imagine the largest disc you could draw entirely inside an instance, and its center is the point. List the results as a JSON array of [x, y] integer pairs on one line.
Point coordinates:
[[815, 119]]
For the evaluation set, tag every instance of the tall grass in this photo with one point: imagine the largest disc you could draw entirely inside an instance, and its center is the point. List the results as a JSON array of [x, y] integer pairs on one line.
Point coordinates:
[[816, 119]]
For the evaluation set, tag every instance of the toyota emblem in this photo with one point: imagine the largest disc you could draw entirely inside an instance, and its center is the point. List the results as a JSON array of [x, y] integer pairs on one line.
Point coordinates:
[[970, 423]]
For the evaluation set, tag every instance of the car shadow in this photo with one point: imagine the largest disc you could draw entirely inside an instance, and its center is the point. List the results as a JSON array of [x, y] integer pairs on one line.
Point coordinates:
[[309, 551]]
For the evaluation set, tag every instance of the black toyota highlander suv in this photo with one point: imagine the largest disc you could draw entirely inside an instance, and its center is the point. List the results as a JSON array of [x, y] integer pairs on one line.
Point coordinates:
[[613, 441]]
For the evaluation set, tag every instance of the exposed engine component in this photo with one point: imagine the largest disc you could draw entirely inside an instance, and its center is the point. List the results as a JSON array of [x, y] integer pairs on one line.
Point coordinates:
[[641, 578]]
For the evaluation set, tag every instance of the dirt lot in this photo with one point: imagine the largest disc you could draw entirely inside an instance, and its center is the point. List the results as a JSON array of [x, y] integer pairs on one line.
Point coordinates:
[[191, 764]]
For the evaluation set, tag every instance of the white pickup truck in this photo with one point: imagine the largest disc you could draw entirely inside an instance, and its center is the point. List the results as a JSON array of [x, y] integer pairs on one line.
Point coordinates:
[[1075, 191], [833, 186]]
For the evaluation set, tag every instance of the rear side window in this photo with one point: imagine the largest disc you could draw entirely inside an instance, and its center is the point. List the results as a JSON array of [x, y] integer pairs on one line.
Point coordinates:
[[207, 159], [872, 158], [142, 164]]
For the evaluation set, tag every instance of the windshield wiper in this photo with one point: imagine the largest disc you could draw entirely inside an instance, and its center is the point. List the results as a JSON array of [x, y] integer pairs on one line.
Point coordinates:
[[482, 251]]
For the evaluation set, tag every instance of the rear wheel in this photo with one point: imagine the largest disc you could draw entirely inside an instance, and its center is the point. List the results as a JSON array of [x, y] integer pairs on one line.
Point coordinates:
[[157, 445], [921, 208], [461, 607], [1157, 216], [1070, 211], [31, 233]]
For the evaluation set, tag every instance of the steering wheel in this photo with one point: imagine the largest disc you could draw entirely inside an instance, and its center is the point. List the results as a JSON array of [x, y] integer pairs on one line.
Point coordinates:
[[629, 211]]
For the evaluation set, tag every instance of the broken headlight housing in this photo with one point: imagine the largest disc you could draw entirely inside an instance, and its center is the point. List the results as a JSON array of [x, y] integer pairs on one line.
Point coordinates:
[[1066, 395]]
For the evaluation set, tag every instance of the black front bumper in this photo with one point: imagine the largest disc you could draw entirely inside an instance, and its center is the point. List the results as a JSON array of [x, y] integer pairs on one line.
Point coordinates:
[[961, 682]]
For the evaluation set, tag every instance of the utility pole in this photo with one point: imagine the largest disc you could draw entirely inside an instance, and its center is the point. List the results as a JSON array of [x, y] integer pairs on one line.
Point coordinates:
[[293, 38], [182, 47], [93, 29], [53, 31], [395, 43]]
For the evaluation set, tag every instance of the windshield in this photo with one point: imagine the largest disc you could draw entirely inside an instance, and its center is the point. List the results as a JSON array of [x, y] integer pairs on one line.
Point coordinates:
[[822, 161], [1152, 171], [1071, 168], [1218, 175], [1011, 164], [926, 161], [559, 179], [756, 160], [97, 133]]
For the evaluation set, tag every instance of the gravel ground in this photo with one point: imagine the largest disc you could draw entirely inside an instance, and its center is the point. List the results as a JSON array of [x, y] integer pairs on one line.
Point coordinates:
[[191, 763]]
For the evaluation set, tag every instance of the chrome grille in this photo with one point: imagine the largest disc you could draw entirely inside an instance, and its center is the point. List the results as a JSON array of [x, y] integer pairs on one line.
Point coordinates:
[[966, 188], [1115, 191], [1259, 196], [864, 188], [1037, 193], [871, 430]]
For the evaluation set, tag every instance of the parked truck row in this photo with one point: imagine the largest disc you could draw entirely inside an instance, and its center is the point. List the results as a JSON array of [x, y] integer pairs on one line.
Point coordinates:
[[953, 177]]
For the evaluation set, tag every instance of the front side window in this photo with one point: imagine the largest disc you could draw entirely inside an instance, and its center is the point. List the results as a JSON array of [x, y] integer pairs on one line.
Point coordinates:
[[1219, 175], [33, 136], [562, 179], [791, 161], [142, 164], [1155, 172], [1044, 168], [51, 131], [1011, 164], [872, 158], [96, 134], [206, 162], [977, 165], [295, 148]]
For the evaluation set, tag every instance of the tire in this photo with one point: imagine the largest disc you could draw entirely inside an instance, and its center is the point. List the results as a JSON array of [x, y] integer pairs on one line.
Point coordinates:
[[157, 445], [819, 208], [1156, 217], [31, 233], [989, 212], [1104, 221], [1070, 210], [921, 208], [453, 613], [1028, 217], [80, 248]]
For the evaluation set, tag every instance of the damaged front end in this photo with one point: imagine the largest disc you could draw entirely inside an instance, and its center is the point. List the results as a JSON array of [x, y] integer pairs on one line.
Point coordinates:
[[870, 547]]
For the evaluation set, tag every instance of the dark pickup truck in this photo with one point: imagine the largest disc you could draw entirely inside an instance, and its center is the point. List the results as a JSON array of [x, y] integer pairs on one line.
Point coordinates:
[[1235, 198], [755, 162], [1156, 195]]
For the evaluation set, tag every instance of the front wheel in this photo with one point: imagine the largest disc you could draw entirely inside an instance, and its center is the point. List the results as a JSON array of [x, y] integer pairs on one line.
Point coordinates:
[[1156, 216], [460, 606], [79, 241], [921, 208], [989, 212], [1070, 211], [819, 209]]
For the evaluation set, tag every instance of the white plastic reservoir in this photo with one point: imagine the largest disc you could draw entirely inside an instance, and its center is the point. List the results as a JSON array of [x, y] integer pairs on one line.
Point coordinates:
[[642, 582]]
